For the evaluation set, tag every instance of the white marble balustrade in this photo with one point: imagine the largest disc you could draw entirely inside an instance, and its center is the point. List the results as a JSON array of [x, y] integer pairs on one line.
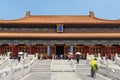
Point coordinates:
[[112, 71], [16, 72]]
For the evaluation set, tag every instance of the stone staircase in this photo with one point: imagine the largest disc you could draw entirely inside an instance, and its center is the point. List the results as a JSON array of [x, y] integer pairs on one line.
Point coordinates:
[[82, 67], [41, 66], [83, 70], [62, 66]]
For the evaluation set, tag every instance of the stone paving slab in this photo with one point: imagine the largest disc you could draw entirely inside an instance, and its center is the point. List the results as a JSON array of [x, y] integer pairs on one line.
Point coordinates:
[[64, 76], [37, 76], [87, 76], [53, 76]]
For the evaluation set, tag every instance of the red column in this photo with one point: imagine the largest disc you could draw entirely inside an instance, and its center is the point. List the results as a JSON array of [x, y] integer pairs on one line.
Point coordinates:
[[30, 49], [118, 49], [13, 51], [0, 50], [103, 50], [16, 51], [90, 49], [3, 49], [87, 49], [108, 51]]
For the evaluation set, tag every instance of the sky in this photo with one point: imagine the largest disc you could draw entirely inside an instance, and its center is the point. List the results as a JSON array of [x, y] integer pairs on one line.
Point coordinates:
[[104, 9]]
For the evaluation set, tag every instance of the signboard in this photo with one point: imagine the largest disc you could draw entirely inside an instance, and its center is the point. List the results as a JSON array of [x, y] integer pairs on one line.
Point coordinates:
[[59, 28]]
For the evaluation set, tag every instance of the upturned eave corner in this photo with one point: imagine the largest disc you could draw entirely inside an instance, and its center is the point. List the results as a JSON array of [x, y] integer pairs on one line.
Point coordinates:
[[91, 14], [27, 14]]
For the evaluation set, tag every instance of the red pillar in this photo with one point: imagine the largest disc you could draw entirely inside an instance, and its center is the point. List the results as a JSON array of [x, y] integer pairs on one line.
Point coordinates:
[[16, 51], [118, 49], [87, 48], [0, 50], [30, 49], [90, 47], [103, 50], [13, 50], [108, 51]]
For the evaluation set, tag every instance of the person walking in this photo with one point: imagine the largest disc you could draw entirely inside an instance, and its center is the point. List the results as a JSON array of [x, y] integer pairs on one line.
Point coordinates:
[[19, 57], [41, 56], [61, 56], [94, 68], [70, 56], [77, 58]]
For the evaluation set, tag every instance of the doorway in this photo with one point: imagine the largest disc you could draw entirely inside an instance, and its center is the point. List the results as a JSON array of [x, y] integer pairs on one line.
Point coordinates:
[[59, 51]]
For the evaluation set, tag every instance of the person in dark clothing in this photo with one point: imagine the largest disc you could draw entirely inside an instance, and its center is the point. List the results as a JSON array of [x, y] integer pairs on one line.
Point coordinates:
[[77, 58], [19, 57]]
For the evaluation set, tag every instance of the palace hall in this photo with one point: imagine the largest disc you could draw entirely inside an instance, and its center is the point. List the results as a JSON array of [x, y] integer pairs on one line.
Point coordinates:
[[60, 34]]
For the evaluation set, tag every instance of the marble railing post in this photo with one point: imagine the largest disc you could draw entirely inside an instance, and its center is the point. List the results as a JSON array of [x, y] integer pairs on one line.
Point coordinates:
[[22, 64], [25, 55], [36, 55], [104, 60], [88, 56], [99, 56], [98, 59], [117, 59], [107, 67], [53, 57], [8, 55], [11, 70]]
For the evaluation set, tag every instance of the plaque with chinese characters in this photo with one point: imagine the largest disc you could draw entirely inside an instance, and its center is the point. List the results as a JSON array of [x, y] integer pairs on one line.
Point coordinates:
[[59, 28]]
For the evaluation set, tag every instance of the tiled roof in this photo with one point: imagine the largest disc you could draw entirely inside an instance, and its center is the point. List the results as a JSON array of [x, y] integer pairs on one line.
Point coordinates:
[[58, 35], [79, 19]]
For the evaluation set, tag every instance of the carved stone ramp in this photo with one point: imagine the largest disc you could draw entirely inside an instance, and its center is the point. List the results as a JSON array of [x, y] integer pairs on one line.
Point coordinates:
[[41, 66], [82, 74], [83, 71], [62, 66]]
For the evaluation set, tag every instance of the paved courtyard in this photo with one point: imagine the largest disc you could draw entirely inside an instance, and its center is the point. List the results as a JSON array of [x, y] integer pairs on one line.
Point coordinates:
[[40, 71], [62, 76], [37, 76]]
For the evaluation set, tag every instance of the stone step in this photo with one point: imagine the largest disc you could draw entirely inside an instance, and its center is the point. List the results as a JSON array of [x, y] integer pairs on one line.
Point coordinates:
[[61, 63], [82, 67], [70, 70], [37, 64], [41, 70], [41, 65], [83, 70]]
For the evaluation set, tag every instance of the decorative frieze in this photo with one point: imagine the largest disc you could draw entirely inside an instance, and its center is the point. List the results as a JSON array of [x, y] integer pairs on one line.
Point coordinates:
[[57, 41], [29, 29], [90, 29]]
